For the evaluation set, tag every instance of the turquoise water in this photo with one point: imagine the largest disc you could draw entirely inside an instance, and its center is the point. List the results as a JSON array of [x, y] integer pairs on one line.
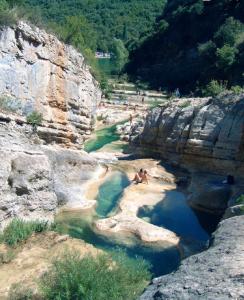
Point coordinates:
[[110, 193], [77, 225], [103, 137], [106, 65], [175, 214], [80, 225]]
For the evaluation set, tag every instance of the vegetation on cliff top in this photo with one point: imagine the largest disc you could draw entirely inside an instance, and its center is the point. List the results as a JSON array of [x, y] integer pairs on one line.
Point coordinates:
[[193, 43], [128, 20]]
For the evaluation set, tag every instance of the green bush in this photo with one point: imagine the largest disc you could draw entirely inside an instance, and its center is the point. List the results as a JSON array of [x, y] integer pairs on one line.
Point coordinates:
[[237, 89], [20, 292], [19, 230], [100, 278], [214, 88], [9, 104], [35, 118], [226, 57], [240, 200], [7, 18]]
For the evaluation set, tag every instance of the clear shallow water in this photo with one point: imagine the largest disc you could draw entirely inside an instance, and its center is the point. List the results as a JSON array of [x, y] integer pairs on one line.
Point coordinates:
[[80, 225], [77, 225], [110, 193], [175, 214], [104, 136]]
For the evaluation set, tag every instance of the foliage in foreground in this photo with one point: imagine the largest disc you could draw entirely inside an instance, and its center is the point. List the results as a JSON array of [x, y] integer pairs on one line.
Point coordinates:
[[100, 278], [19, 230]]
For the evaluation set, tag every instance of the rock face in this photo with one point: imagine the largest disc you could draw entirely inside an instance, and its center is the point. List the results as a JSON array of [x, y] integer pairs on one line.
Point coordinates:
[[38, 72], [36, 179], [213, 274], [203, 134]]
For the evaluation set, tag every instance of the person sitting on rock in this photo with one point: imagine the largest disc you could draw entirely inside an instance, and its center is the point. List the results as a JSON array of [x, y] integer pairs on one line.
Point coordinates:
[[144, 178], [138, 176]]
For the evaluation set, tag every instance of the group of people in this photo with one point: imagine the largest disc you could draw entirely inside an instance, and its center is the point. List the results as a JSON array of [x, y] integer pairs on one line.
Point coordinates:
[[141, 177]]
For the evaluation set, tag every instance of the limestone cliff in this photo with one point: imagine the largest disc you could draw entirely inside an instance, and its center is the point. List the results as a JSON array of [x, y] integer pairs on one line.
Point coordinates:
[[38, 72], [40, 171], [203, 134]]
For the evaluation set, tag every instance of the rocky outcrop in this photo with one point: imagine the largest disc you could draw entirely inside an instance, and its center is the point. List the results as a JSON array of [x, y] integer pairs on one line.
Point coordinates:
[[202, 134], [40, 73], [36, 179], [213, 274]]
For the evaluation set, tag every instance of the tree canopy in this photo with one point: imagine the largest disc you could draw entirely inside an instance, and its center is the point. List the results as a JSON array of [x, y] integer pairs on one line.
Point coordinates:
[[193, 42]]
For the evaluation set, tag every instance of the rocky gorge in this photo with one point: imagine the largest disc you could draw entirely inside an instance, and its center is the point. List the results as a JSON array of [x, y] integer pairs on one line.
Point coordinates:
[[205, 136], [45, 170]]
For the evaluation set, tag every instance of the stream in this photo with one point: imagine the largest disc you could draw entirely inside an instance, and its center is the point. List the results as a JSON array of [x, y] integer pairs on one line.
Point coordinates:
[[173, 213]]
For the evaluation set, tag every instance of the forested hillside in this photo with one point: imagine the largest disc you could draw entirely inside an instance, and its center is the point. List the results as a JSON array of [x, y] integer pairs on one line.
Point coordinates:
[[193, 43], [128, 20]]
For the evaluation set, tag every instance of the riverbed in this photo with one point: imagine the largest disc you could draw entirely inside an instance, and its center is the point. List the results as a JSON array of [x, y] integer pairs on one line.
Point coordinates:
[[157, 207]]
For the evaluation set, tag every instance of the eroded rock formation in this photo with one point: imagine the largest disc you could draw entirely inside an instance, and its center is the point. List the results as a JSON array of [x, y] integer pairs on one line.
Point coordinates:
[[36, 179], [202, 134], [38, 72]]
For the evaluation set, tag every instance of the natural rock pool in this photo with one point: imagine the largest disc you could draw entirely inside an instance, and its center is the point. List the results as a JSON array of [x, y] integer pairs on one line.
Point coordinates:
[[173, 213], [110, 192], [103, 137]]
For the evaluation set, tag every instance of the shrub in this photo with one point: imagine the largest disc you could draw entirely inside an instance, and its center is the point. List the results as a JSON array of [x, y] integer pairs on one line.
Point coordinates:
[[34, 118], [100, 278], [240, 200], [214, 88], [7, 18], [20, 292], [9, 104], [237, 89], [226, 56], [19, 230]]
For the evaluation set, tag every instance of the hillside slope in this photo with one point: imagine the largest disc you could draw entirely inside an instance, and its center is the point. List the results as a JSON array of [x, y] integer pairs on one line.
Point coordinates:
[[194, 42], [126, 20]]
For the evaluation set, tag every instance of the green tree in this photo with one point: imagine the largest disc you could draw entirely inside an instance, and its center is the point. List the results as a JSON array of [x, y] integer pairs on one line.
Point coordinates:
[[120, 54], [13, 3], [78, 32], [229, 32], [226, 57], [3, 5]]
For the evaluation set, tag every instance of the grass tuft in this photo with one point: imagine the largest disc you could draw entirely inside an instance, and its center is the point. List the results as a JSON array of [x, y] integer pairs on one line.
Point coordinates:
[[19, 230]]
